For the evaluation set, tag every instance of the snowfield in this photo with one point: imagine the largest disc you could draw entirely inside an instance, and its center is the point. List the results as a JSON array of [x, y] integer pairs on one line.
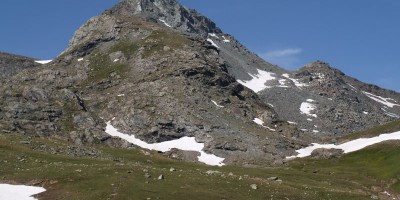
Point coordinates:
[[306, 108], [184, 144], [19, 192], [385, 101], [212, 43], [257, 83], [296, 82], [347, 147], [43, 61]]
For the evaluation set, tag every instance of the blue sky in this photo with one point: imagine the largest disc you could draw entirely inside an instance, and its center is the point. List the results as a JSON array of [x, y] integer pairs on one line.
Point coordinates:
[[359, 37]]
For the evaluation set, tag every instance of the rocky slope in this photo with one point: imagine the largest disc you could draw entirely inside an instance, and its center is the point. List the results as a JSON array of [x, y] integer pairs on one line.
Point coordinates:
[[12, 64], [324, 101], [160, 71]]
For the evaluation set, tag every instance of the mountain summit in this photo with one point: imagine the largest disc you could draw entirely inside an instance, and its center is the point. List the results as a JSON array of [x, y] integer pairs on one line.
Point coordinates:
[[160, 72]]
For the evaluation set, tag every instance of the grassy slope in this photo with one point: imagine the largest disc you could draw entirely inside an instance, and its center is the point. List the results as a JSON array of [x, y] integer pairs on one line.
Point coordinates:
[[119, 174]]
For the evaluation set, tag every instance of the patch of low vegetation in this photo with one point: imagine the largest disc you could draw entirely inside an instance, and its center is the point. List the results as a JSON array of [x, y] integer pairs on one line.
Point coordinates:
[[127, 47], [102, 67], [162, 42], [386, 128]]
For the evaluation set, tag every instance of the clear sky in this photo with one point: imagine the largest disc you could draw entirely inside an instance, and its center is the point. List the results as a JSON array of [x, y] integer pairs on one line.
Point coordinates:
[[359, 37]]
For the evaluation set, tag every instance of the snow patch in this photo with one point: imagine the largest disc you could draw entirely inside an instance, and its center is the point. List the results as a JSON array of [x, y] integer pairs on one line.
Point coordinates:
[[116, 60], [80, 59], [184, 144], [212, 43], [310, 120], [319, 77], [271, 105], [261, 123], [306, 108], [225, 40], [213, 35], [258, 121], [382, 100], [352, 87], [43, 61], [215, 103], [296, 82], [121, 95], [365, 112], [292, 122], [20, 192], [348, 147], [315, 131], [282, 83], [165, 23], [390, 114], [257, 83]]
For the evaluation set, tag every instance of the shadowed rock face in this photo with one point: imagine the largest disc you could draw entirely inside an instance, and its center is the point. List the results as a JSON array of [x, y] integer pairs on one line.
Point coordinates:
[[152, 68], [12, 64]]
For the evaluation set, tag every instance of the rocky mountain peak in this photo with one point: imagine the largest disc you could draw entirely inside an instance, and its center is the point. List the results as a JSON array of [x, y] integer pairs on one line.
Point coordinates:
[[169, 13]]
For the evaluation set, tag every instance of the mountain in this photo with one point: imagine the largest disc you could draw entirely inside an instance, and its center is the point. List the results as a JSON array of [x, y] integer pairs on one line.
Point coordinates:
[[160, 71], [324, 101]]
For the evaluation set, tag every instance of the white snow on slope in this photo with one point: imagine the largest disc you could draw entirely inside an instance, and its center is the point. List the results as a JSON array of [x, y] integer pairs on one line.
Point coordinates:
[[261, 123], [19, 192], [212, 43], [390, 114], [295, 81], [258, 121], [165, 23], [80, 59], [43, 61], [184, 144], [352, 87], [213, 35], [348, 147], [225, 40], [306, 108], [215, 103], [382, 100], [282, 83], [257, 83]]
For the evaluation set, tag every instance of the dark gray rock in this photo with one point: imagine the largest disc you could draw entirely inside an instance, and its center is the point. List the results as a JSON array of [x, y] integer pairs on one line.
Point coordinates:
[[11, 64], [327, 153]]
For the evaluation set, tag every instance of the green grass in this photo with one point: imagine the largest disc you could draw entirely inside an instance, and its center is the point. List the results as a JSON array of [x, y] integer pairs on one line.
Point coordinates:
[[119, 174], [127, 47], [102, 67], [157, 40]]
